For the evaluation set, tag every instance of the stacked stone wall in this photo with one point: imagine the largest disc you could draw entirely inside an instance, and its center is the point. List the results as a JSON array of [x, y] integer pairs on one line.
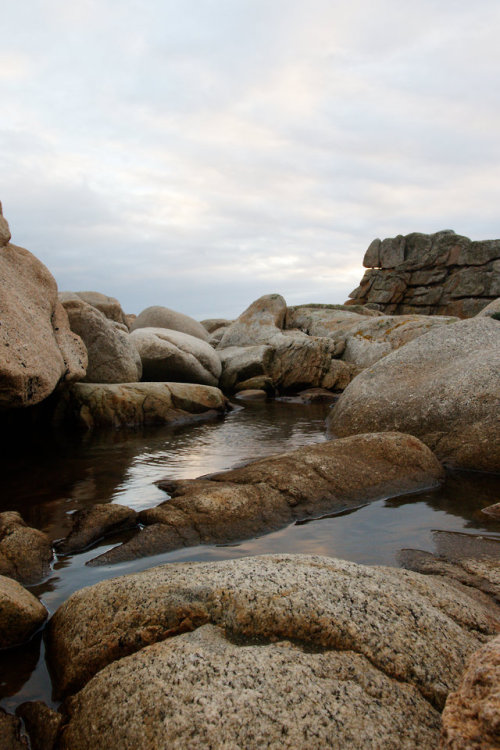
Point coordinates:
[[430, 274]]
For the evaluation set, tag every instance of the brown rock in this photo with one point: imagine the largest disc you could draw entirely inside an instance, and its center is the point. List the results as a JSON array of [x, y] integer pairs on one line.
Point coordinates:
[[4, 230], [109, 306], [492, 510], [269, 493], [21, 614], [130, 405], [471, 717], [10, 733], [42, 724], [443, 387], [272, 695], [37, 348], [415, 629], [112, 356], [25, 553], [91, 524]]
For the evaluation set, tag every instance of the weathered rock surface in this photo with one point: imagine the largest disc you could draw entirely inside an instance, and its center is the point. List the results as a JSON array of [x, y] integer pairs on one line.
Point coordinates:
[[91, 524], [291, 361], [492, 510], [170, 355], [162, 317], [436, 274], [262, 320], [10, 733], [21, 614], [471, 717], [37, 348], [415, 629], [4, 230], [42, 724], [109, 306], [443, 387], [272, 492], [493, 309], [25, 553], [253, 696], [92, 406], [112, 356], [215, 324]]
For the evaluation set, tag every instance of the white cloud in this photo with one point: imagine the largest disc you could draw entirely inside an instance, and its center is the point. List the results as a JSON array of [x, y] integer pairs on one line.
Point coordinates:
[[204, 153]]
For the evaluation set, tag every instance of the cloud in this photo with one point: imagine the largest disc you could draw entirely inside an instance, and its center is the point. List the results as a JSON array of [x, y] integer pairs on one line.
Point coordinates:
[[204, 153]]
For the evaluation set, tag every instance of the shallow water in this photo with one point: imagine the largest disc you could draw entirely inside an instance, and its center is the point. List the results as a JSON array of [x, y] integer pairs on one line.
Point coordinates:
[[52, 477]]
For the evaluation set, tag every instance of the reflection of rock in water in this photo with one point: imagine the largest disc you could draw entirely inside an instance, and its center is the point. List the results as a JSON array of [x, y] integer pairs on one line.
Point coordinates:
[[17, 665], [471, 559]]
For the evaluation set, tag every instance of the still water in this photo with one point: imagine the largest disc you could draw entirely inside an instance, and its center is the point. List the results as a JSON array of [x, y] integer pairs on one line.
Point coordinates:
[[49, 479]]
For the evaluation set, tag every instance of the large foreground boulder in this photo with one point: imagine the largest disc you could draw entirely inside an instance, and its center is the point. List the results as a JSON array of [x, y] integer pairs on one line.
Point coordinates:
[[339, 654], [443, 387], [37, 348], [162, 317], [173, 356], [272, 492], [21, 614], [90, 406], [112, 357], [471, 718]]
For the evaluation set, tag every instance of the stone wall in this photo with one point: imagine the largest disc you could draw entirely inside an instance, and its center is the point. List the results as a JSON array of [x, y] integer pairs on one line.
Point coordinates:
[[430, 274]]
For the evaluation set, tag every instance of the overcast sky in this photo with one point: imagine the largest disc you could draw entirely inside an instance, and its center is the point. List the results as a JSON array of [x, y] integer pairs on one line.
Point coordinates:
[[199, 153]]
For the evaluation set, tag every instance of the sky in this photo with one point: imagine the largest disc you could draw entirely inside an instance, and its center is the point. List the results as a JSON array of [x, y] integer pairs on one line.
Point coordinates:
[[200, 153]]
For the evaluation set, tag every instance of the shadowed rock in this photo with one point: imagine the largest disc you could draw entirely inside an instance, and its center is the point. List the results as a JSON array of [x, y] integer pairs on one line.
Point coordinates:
[[21, 614], [270, 493], [92, 524], [41, 722], [25, 553]]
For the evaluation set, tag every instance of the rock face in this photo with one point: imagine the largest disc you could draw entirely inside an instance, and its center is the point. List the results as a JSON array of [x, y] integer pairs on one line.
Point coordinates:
[[173, 356], [443, 387], [273, 695], [25, 553], [37, 348], [471, 717], [41, 722], [21, 614], [262, 320], [162, 317], [10, 733], [272, 492], [92, 406], [109, 306], [430, 274], [91, 524], [112, 357], [371, 648]]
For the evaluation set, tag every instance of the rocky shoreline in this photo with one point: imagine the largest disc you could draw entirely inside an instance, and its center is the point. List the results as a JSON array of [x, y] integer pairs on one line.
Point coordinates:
[[281, 650]]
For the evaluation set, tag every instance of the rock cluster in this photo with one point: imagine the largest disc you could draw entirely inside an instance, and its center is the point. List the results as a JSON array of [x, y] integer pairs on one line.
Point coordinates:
[[430, 274]]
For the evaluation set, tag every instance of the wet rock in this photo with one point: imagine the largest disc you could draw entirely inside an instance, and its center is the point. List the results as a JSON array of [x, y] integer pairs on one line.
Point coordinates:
[[162, 317], [92, 406], [112, 356], [42, 724], [442, 387], [37, 349], [10, 733], [257, 324], [252, 394], [272, 492], [25, 553], [21, 614], [415, 629], [471, 717], [271, 695], [173, 356], [91, 524]]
